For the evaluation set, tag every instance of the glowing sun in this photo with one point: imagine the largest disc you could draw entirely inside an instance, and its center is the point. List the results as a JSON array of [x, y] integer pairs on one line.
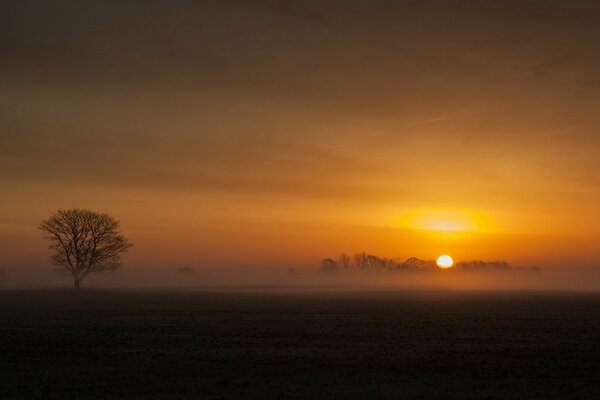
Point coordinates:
[[444, 261]]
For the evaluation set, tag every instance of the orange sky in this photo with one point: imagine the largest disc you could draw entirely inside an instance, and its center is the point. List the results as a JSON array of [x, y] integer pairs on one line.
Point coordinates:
[[270, 133]]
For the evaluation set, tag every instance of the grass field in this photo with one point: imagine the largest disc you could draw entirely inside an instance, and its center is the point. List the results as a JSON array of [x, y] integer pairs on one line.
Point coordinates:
[[184, 345]]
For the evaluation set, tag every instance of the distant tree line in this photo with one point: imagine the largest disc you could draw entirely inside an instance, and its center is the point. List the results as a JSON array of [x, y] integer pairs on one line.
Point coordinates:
[[478, 265], [364, 262]]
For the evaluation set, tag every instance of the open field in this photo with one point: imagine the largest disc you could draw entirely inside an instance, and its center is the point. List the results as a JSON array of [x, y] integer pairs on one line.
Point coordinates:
[[179, 345]]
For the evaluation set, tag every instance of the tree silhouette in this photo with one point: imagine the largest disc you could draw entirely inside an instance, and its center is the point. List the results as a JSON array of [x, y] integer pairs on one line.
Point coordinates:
[[479, 265], [360, 260], [414, 263], [84, 242], [328, 265], [368, 263], [344, 262]]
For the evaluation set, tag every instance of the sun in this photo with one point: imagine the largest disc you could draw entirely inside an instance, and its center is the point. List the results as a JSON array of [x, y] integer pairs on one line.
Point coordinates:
[[444, 261]]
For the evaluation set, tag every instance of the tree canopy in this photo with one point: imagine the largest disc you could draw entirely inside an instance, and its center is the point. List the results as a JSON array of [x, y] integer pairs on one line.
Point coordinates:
[[84, 242]]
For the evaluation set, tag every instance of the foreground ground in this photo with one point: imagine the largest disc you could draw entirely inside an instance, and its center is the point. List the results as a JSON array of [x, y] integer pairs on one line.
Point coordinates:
[[180, 345]]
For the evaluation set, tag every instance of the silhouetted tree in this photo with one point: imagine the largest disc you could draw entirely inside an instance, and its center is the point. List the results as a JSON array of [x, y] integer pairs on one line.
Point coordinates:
[[401, 266], [414, 263], [360, 261], [375, 263], [389, 264], [479, 265], [344, 262], [368, 262], [328, 265], [83, 242]]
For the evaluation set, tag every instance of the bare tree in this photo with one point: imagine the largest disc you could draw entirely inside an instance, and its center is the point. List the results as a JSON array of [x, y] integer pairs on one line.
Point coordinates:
[[83, 242], [375, 263], [479, 265], [328, 265], [414, 263], [344, 262], [360, 260]]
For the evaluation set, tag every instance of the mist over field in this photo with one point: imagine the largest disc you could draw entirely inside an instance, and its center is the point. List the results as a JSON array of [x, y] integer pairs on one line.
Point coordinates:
[[276, 278]]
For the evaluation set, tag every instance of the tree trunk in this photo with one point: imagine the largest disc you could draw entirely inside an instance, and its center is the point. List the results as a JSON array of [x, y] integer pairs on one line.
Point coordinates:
[[76, 281]]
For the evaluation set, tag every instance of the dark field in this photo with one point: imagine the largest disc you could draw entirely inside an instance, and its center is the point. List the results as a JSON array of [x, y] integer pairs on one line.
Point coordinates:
[[180, 345]]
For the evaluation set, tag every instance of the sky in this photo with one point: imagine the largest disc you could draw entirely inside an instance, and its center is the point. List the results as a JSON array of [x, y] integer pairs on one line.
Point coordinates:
[[273, 133]]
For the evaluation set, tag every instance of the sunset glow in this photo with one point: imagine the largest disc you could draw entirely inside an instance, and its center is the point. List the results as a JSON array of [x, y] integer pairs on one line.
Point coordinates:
[[444, 261], [445, 220]]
